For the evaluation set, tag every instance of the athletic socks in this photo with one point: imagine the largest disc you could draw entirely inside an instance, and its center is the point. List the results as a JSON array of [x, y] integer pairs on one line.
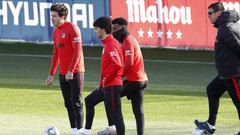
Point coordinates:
[[74, 131], [211, 126], [113, 127]]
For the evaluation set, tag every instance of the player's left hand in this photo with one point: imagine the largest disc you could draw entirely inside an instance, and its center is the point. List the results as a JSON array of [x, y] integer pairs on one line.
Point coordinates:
[[69, 76]]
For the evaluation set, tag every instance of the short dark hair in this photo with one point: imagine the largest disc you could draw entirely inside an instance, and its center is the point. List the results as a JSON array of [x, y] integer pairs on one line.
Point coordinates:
[[104, 23], [120, 21], [61, 9], [218, 6]]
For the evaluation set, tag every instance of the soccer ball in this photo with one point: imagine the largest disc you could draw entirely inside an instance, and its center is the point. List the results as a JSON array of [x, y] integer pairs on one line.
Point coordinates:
[[198, 131], [51, 130]]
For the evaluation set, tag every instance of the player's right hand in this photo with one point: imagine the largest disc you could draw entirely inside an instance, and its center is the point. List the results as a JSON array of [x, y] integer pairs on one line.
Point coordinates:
[[49, 80]]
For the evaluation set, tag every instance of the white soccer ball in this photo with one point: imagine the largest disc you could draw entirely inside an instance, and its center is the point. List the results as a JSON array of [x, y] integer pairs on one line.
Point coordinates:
[[198, 131], [51, 130]]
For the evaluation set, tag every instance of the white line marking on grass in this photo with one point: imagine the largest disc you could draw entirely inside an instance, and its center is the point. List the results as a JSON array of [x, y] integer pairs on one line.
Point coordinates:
[[98, 58]]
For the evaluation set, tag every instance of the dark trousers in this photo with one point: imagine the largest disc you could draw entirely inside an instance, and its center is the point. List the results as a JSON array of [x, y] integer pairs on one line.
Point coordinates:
[[113, 107], [72, 94], [91, 101], [112, 101], [216, 89], [134, 91]]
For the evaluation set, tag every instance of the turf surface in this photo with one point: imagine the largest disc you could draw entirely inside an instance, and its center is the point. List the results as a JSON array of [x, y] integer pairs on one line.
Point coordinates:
[[174, 97]]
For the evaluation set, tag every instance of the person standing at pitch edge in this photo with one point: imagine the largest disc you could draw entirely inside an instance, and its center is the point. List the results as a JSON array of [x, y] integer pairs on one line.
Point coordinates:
[[227, 62], [135, 78], [68, 54]]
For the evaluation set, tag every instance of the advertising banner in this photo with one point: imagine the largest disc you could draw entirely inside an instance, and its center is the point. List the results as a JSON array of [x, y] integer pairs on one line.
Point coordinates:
[[181, 24], [30, 20], [170, 23]]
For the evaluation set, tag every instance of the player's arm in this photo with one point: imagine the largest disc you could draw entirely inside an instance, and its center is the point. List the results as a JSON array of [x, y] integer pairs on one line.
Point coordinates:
[[100, 82], [116, 64], [54, 64], [76, 43], [129, 57]]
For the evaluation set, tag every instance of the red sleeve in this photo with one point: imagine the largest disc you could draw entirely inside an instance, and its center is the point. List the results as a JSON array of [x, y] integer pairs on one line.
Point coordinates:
[[76, 40], [128, 48], [55, 61], [100, 82], [101, 76], [116, 63]]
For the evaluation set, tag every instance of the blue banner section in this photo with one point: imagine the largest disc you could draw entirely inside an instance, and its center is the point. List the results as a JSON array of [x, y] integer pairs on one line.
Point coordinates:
[[30, 20]]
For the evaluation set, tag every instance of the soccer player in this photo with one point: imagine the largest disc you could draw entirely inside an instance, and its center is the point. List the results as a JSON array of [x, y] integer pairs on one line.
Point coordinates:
[[110, 85], [68, 54], [227, 63], [135, 78]]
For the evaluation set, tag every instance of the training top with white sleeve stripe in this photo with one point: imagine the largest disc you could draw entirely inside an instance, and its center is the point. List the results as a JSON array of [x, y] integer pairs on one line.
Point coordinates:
[[133, 60], [112, 63], [67, 50]]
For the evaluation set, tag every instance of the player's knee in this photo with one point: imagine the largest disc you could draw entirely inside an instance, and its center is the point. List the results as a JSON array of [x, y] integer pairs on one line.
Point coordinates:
[[69, 107], [87, 101], [68, 104], [138, 112], [209, 91], [91, 101], [77, 105]]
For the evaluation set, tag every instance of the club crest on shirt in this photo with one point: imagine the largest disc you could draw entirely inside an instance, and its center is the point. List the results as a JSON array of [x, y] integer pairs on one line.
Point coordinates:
[[63, 35]]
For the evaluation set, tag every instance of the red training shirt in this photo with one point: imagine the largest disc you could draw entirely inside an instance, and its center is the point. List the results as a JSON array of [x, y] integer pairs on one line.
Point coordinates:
[[112, 63], [133, 60], [67, 50]]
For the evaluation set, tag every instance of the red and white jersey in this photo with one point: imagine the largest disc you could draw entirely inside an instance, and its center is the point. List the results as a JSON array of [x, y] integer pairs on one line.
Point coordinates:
[[133, 60], [67, 50], [112, 63]]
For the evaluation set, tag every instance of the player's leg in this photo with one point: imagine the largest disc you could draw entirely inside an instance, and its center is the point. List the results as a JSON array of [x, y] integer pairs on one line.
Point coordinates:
[[109, 117], [123, 93], [91, 101], [66, 92], [234, 92], [112, 101], [111, 129], [76, 96], [215, 90], [137, 97]]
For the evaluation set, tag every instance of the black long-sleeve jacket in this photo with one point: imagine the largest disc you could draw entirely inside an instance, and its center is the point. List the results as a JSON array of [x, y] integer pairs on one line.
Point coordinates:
[[227, 45]]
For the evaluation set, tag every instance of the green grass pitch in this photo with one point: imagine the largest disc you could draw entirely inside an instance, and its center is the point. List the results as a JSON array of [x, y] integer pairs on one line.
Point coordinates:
[[174, 97]]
